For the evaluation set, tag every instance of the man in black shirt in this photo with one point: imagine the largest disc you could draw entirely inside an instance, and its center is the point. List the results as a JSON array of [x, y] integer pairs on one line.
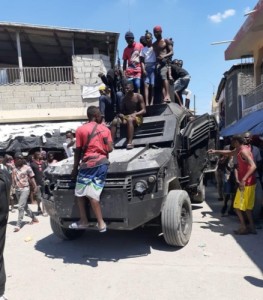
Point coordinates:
[[181, 80], [5, 185]]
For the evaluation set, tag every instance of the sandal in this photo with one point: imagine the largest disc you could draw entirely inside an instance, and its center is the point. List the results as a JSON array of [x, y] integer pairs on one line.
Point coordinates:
[[76, 225], [16, 229], [241, 231], [103, 229], [252, 231], [129, 146], [35, 220]]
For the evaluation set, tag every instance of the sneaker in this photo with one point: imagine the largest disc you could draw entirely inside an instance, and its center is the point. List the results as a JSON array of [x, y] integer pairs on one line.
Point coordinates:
[[258, 225], [231, 212], [223, 210], [3, 297]]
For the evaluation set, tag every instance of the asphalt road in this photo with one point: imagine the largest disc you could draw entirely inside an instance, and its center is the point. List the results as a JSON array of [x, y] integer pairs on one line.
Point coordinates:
[[136, 265]]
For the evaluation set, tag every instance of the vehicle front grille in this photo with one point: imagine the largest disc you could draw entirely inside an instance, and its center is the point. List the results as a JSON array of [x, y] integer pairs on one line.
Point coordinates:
[[120, 184]]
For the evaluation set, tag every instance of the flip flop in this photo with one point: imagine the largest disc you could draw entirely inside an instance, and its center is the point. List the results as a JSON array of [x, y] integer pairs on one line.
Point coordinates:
[[78, 226], [34, 221], [129, 146], [103, 229], [241, 231]]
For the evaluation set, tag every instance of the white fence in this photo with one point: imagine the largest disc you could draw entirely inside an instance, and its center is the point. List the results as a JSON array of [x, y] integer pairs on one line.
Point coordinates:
[[36, 75]]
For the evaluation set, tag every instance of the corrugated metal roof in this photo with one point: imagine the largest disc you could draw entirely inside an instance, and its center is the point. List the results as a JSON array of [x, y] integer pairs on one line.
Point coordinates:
[[52, 46]]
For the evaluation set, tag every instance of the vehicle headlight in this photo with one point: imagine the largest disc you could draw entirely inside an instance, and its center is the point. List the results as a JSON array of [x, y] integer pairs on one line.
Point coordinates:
[[140, 187], [152, 179]]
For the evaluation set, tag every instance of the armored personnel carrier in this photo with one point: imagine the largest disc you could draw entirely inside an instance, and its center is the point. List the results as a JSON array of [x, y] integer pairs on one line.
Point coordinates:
[[155, 182]]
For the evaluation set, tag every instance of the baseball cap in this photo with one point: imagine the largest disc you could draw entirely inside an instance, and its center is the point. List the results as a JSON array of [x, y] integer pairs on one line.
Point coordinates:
[[157, 28], [102, 87], [129, 35], [18, 155]]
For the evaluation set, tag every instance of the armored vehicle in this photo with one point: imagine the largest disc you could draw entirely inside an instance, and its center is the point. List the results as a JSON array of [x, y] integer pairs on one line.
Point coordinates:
[[155, 182]]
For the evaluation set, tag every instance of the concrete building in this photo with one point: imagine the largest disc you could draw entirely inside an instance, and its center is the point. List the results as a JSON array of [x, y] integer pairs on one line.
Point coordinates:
[[240, 92], [44, 70]]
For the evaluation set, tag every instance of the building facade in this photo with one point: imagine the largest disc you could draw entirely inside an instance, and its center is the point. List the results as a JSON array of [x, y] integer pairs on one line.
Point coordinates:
[[43, 71], [240, 92]]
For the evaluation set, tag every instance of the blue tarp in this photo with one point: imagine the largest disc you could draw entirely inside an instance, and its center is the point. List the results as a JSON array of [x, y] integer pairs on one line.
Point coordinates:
[[252, 122]]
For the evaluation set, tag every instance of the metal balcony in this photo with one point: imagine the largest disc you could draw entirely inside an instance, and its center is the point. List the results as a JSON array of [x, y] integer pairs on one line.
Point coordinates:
[[36, 75]]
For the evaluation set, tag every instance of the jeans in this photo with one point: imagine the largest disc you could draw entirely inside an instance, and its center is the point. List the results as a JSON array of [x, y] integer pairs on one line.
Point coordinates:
[[106, 108], [22, 196], [136, 84]]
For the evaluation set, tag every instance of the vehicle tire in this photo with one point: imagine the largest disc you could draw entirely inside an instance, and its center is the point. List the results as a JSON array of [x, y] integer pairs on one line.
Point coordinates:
[[200, 196], [177, 218], [65, 233]]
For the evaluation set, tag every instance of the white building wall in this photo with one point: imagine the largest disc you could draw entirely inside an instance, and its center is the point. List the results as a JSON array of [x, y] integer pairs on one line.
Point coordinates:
[[37, 102]]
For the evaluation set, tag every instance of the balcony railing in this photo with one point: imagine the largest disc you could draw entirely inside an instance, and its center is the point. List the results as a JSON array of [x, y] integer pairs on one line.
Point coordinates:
[[36, 75], [254, 97]]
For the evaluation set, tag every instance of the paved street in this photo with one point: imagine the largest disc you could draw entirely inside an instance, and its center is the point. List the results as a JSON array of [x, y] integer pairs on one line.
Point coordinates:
[[136, 265]]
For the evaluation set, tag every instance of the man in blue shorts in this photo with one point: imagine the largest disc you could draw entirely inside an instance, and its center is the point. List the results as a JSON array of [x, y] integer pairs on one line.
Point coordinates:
[[93, 142]]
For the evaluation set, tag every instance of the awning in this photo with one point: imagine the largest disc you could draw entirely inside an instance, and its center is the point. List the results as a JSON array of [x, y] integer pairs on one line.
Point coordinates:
[[252, 122]]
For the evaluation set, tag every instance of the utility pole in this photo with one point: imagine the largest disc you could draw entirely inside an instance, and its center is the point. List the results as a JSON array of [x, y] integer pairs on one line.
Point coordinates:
[[194, 105]]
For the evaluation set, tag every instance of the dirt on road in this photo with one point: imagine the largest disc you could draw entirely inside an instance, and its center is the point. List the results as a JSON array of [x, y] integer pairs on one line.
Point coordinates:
[[114, 265]]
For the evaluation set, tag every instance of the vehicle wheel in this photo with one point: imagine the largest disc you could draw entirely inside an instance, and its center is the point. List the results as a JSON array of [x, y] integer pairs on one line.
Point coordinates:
[[65, 233], [177, 218], [200, 197]]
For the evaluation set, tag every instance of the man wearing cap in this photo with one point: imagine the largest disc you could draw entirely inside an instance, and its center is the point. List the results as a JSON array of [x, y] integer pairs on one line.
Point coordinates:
[[181, 80], [110, 94], [105, 104], [131, 61], [163, 49]]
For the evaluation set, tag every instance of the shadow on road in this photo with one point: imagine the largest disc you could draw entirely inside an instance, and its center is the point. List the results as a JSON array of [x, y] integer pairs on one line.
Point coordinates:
[[251, 244], [111, 246], [254, 281]]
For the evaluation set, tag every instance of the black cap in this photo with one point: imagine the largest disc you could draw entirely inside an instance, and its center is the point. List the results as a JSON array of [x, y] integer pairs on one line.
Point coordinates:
[[18, 155], [129, 34]]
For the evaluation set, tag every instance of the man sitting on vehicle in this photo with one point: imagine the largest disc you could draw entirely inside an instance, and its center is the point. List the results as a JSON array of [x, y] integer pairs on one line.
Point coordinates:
[[132, 111]]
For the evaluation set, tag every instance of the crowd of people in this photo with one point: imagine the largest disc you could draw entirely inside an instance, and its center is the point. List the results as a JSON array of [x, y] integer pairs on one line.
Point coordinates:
[[147, 65], [28, 183], [239, 181]]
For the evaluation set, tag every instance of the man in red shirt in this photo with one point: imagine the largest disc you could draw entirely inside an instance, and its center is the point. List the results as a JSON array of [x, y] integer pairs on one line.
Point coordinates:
[[131, 61], [93, 142], [246, 180]]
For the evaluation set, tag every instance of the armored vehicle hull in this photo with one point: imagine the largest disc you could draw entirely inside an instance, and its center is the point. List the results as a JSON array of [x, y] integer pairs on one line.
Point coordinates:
[[153, 183]]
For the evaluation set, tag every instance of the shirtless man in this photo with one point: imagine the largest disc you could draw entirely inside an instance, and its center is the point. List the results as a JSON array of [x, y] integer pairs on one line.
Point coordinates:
[[132, 111], [164, 51]]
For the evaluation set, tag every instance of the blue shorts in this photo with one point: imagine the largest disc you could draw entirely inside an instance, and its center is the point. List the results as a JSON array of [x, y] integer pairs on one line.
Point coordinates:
[[91, 181], [136, 83], [150, 76]]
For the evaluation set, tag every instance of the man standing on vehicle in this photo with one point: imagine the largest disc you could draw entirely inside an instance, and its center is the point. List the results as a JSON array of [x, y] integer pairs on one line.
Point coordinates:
[[131, 61], [93, 142], [163, 49]]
